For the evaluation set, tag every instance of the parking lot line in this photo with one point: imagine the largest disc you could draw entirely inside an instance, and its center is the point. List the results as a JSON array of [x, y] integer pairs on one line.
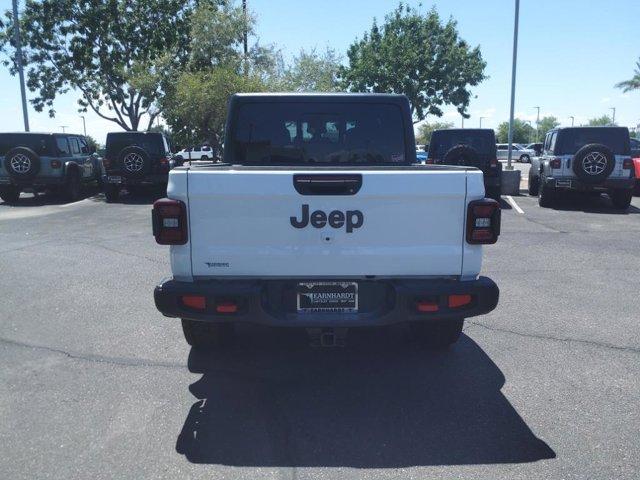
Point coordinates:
[[513, 203]]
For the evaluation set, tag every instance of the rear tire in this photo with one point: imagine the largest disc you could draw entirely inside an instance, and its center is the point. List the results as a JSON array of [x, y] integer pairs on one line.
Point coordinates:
[[73, 187], [547, 195], [206, 335], [111, 193], [534, 185], [437, 335], [621, 199], [10, 194], [493, 192], [525, 159]]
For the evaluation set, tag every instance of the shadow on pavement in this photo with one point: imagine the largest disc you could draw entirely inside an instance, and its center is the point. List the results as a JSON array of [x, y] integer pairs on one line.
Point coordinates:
[[143, 197], [49, 198], [380, 402], [579, 202]]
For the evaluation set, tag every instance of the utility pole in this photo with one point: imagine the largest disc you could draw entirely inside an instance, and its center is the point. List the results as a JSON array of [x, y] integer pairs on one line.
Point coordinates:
[[481, 121], [530, 130], [84, 125], [513, 83], [244, 36], [16, 38], [462, 122], [613, 119], [572, 119], [537, 122], [64, 127]]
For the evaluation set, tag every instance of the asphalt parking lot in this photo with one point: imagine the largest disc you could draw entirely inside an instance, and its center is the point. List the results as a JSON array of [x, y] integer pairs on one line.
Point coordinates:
[[97, 384]]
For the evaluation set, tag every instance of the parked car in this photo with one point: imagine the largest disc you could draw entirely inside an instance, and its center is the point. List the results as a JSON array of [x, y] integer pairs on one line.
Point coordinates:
[[518, 152], [635, 147], [421, 156], [377, 241], [135, 159], [40, 161], [635, 155], [199, 152], [585, 159], [472, 148], [536, 147]]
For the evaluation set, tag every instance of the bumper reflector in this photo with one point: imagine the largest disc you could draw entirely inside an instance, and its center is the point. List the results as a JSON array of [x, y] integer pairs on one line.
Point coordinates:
[[226, 307], [425, 306], [456, 301], [197, 302]]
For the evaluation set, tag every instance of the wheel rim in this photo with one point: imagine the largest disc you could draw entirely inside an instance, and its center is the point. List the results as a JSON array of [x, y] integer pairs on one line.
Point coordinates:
[[594, 163], [133, 162], [20, 163]]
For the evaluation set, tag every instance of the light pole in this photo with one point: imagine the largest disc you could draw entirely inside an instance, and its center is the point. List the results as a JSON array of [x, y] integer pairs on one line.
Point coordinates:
[[462, 120], [481, 121], [613, 119], [572, 119], [530, 130], [16, 37], [84, 125], [513, 82], [537, 122], [64, 127]]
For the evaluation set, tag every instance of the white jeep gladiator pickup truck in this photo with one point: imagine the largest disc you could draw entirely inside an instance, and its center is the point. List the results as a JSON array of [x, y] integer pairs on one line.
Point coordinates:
[[319, 217]]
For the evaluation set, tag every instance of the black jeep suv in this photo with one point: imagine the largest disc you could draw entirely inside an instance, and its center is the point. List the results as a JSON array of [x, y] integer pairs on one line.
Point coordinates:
[[584, 159], [135, 159], [471, 147]]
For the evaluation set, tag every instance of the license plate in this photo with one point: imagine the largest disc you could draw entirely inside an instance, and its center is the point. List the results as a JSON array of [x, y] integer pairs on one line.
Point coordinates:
[[328, 297], [111, 179]]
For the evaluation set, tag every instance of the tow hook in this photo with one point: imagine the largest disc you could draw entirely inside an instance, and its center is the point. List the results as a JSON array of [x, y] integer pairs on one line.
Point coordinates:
[[327, 337]]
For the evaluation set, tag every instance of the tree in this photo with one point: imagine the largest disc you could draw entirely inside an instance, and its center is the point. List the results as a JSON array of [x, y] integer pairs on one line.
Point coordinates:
[[91, 142], [312, 72], [116, 53], [546, 124], [426, 129], [417, 55], [197, 108], [522, 132], [602, 121], [633, 83]]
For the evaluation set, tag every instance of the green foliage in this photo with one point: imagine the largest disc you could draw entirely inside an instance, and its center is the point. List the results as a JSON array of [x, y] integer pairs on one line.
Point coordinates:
[[522, 132], [117, 53], [418, 55], [426, 129], [92, 142], [602, 121], [197, 108], [312, 72], [633, 83], [546, 124]]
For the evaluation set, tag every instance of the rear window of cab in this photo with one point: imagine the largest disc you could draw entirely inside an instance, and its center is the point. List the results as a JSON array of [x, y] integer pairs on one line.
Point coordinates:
[[484, 141], [40, 144], [152, 143], [573, 139]]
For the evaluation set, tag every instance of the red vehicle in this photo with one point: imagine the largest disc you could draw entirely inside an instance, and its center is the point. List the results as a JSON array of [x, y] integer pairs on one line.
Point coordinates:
[[636, 166]]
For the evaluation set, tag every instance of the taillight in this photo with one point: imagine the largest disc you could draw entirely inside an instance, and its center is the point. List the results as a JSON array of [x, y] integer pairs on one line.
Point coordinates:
[[483, 221], [169, 218], [627, 163], [555, 163], [432, 160], [56, 163], [196, 302], [493, 163], [106, 163]]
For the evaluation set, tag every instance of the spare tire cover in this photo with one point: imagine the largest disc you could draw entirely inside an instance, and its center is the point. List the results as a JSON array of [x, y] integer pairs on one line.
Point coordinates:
[[593, 163], [22, 162], [463, 155], [134, 161]]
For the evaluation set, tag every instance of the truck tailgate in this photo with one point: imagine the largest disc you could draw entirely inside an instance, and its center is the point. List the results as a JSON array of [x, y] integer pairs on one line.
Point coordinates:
[[252, 223]]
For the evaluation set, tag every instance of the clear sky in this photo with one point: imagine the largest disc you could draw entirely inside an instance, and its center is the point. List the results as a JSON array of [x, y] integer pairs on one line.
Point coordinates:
[[571, 54]]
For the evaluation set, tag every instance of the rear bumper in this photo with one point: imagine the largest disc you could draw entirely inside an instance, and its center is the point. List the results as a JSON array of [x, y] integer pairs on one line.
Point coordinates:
[[573, 183], [37, 181], [273, 302], [117, 178]]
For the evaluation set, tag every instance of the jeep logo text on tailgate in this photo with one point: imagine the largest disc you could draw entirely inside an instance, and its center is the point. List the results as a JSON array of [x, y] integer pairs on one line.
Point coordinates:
[[352, 219]]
